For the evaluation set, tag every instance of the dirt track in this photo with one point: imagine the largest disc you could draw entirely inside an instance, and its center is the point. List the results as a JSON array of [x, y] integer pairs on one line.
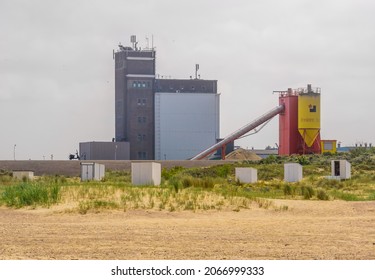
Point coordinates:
[[308, 230]]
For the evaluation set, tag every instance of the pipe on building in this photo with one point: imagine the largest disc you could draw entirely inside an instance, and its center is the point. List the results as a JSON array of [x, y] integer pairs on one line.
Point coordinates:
[[242, 131]]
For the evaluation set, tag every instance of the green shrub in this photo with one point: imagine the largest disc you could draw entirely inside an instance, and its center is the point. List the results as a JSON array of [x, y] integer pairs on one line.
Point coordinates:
[[175, 183], [169, 173], [303, 160], [224, 170], [96, 205], [187, 182], [288, 190], [338, 194], [203, 183], [272, 159], [270, 172], [322, 195], [5, 178], [307, 192], [30, 194], [117, 176], [221, 171], [329, 183]]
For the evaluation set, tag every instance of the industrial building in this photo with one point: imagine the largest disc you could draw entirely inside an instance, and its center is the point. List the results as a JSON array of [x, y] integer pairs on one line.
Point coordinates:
[[186, 117], [161, 118], [177, 119], [328, 146], [104, 150], [134, 99], [299, 122]]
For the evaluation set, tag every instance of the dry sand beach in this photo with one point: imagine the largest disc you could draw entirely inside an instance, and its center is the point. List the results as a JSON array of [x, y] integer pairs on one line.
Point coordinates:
[[307, 230]]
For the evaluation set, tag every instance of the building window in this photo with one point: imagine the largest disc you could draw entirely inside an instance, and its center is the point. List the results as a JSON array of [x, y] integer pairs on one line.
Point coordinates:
[[141, 119], [141, 137], [142, 155], [140, 84], [141, 101]]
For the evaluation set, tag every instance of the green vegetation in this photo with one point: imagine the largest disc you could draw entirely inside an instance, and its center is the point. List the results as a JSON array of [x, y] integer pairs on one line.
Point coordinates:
[[30, 194], [198, 189]]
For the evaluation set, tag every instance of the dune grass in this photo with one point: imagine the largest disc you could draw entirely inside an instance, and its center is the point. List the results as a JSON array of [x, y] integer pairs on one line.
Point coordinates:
[[197, 189]]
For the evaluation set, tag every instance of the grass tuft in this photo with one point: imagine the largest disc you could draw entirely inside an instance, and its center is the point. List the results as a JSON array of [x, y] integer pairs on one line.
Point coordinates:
[[31, 194]]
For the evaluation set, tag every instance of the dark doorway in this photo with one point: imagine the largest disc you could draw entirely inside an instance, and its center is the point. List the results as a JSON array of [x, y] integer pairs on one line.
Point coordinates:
[[337, 168]]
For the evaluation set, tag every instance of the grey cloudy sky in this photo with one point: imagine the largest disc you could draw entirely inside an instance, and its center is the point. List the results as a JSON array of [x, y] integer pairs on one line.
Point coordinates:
[[57, 72]]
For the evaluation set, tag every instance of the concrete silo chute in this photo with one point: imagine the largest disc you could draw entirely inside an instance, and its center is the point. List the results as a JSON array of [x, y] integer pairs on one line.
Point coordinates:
[[309, 116]]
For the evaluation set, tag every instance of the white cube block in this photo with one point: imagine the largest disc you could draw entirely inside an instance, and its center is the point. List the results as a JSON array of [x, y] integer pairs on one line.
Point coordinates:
[[246, 174], [292, 172], [29, 175], [92, 171], [146, 173], [341, 169]]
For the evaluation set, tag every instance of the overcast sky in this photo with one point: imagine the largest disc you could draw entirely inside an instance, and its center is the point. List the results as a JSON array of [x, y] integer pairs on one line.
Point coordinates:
[[57, 72]]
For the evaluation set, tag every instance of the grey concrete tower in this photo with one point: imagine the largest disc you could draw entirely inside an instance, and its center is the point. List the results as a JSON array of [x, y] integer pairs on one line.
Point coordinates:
[[134, 99]]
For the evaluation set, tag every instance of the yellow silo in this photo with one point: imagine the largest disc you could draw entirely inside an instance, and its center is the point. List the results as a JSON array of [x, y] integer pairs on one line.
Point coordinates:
[[309, 116]]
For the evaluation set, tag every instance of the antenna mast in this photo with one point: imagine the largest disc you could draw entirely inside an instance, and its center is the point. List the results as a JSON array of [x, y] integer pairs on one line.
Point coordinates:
[[196, 71], [133, 40]]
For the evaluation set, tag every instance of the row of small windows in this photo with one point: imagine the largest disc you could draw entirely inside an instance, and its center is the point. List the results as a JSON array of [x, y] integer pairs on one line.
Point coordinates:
[[141, 84], [142, 119], [141, 101], [141, 137], [181, 89], [142, 155]]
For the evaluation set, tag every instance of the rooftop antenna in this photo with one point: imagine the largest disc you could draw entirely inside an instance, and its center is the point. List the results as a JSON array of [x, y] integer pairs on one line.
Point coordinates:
[[196, 71], [121, 46], [133, 40], [147, 43]]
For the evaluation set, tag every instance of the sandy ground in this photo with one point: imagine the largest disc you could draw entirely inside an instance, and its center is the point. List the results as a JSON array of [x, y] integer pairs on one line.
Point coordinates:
[[307, 230]]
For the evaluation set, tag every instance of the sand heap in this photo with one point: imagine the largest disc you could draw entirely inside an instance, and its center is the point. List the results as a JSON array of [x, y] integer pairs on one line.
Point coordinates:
[[242, 154]]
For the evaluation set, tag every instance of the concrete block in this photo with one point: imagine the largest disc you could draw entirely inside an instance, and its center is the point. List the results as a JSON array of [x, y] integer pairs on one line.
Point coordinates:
[[23, 174], [146, 173], [292, 172], [92, 171], [341, 169], [246, 175]]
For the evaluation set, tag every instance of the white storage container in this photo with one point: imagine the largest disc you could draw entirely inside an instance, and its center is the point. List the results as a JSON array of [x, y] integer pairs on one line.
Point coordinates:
[[146, 173], [341, 169], [29, 175], [246, 174], [92, 171], [292, 172]]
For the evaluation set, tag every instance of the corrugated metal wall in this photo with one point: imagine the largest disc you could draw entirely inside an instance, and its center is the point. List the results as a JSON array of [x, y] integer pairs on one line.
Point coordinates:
[[104, 150], [185, 124]]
